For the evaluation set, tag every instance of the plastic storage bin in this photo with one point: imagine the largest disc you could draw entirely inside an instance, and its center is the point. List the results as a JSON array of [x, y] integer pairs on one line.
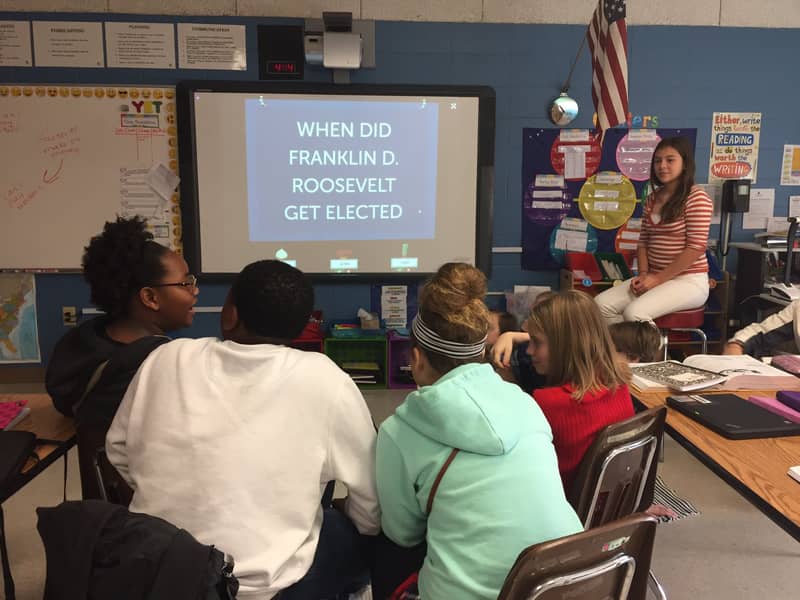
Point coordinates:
[[618, 261], [583, 265]]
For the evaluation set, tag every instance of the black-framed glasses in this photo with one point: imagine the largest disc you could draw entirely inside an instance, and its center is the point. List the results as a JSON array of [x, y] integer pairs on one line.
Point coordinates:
[[191, 282]]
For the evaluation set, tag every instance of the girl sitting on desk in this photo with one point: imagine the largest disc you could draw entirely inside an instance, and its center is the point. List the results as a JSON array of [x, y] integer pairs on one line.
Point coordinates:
[[145, 290], [673, 270]]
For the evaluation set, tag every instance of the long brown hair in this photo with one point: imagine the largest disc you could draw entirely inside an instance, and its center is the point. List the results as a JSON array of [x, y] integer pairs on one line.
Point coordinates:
[[673, 207], [451, 304], [581, 352]]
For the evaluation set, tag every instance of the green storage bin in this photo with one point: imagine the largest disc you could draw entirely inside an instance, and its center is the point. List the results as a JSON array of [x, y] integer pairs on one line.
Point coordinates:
[[618, 261]]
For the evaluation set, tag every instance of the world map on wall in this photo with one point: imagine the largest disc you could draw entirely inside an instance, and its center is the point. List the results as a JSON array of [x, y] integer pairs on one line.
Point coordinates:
[[19, 340]]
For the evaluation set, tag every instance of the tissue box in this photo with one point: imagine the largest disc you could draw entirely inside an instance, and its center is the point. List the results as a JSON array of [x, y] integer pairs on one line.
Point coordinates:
[[370, 322]]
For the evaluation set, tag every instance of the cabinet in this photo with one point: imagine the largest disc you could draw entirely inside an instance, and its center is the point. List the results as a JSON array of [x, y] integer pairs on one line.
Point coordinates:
[[309, 344], [716, 314], [756, 267]]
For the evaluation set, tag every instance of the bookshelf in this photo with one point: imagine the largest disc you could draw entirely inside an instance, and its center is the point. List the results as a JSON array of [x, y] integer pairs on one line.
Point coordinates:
[[363, 358]]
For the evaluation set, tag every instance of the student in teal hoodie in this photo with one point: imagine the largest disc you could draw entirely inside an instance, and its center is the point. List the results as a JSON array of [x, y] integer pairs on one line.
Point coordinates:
[[500, 491]]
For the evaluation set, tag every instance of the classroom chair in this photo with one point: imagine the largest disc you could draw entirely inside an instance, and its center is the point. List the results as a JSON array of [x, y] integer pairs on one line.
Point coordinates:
[[688, 321], [16, 447], [611, 561], [96, 549], [617, 475], [99, 479]]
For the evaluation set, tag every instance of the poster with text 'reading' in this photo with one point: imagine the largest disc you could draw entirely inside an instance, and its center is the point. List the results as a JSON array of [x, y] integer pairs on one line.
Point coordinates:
[[734, 146]]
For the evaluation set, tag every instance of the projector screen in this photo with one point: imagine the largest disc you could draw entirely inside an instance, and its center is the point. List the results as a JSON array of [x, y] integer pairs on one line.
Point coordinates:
[[335, 180]]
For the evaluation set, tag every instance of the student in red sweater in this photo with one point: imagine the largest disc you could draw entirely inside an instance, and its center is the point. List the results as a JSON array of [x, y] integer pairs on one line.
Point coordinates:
[[587, 380]]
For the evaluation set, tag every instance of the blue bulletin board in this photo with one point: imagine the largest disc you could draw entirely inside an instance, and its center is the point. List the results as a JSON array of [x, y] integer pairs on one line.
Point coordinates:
[[544, 152]]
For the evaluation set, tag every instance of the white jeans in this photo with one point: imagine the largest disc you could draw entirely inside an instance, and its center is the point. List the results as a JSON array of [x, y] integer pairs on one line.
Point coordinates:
[[679, 293]]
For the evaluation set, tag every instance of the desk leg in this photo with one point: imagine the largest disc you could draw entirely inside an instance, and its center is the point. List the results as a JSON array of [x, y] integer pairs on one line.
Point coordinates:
[[66, 462], [8, 580]]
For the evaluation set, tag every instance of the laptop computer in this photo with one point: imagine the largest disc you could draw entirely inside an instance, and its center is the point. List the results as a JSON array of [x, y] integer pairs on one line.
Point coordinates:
[[733, 417]]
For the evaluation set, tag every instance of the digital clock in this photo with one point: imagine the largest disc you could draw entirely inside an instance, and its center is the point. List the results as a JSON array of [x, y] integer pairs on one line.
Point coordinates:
[[280, 52], [282, 67]]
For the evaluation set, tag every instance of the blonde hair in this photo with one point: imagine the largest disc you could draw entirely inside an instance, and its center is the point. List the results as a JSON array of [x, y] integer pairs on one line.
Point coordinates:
[[639, 341], [581, 352], [451, 304]]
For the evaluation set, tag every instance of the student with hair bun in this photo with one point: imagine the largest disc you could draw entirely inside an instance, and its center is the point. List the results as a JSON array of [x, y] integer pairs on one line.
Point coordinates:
[[466, 464], [145, 290]]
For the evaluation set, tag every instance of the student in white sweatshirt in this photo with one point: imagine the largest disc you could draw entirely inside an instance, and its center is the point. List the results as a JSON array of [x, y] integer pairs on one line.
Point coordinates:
[[234, 440]]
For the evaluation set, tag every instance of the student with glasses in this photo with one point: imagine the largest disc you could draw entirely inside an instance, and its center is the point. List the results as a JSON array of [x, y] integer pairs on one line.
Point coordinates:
[[235, 439], [145, 291]]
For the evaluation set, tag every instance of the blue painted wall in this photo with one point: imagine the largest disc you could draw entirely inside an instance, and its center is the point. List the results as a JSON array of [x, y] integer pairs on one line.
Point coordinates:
[[681, 74]]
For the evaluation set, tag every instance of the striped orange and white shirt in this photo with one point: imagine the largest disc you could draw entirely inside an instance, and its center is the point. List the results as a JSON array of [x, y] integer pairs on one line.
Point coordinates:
[[665, 241]]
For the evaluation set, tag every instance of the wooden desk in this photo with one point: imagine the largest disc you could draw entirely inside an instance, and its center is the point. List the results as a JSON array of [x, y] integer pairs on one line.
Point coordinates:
[[755, 468], [56, 435]]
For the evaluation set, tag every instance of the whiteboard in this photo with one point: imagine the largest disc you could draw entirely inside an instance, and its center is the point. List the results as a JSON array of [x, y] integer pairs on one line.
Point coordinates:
[[74, 157]]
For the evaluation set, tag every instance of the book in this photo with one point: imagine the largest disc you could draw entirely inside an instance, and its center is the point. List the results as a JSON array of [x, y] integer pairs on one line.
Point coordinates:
[[789, 399], [674, 375], [744, 372], [12, 413], [787, 362], [794, 473]]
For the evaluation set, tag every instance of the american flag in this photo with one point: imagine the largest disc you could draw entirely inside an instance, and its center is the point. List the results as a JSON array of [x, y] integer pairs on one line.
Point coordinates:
[[608, 45]]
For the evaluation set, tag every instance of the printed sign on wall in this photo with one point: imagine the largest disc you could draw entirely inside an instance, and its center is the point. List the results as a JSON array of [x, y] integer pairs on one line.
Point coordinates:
[[734, 146]]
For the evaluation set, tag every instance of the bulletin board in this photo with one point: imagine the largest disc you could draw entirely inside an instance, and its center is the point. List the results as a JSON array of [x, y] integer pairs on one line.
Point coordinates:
[[74, 157], [555, 184]]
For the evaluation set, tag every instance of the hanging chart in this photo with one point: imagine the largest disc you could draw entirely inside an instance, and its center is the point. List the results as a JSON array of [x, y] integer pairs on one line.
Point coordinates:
[[607, 200], [575, 153], [572, 235], [627, 238], [547, 200], [635, 152]]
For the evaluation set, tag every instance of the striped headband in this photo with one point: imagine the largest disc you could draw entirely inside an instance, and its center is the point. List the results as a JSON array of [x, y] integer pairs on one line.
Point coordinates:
[[430, 340]]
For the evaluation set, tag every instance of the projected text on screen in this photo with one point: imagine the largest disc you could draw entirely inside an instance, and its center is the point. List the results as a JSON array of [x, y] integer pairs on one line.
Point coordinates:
[[340, 169]]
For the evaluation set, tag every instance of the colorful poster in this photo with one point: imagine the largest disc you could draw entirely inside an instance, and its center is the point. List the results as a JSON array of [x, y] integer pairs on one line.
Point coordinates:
[[790, 169], [734, 146], [547, 169], [19, 339]]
